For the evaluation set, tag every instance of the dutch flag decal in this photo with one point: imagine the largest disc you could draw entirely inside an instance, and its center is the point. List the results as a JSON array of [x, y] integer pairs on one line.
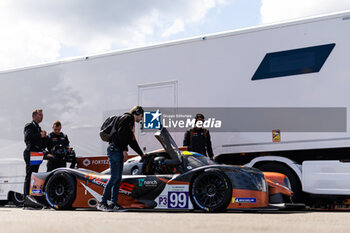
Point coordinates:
[[36, 158]]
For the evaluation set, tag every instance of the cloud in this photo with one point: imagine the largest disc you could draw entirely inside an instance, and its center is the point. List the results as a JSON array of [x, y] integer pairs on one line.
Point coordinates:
[[178, 26], [278, 10], [36, 31]]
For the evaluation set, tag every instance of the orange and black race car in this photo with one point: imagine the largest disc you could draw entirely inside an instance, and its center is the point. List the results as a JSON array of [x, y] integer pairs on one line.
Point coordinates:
[[171, 179]]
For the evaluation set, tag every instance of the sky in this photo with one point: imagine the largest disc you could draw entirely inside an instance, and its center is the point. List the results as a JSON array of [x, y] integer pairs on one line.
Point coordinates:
[[40, 31]]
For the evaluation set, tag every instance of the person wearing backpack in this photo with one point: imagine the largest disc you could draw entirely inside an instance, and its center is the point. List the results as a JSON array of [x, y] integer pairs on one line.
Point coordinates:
[[198, 139], [121, 137]]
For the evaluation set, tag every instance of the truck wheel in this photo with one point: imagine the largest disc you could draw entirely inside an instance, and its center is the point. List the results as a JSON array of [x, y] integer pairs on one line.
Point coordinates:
[[60, 191], [17, 198], [3, 202], [293, 178], [211, 191]]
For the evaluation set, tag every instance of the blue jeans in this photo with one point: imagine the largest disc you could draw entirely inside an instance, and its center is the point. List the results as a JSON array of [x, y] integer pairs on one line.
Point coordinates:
[[116, 162]]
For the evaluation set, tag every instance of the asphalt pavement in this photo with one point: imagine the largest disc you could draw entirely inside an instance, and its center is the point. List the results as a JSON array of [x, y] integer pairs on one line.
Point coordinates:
[[17, 220]]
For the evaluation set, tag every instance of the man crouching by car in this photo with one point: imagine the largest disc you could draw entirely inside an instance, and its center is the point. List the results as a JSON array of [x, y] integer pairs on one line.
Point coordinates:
[[117, 153]]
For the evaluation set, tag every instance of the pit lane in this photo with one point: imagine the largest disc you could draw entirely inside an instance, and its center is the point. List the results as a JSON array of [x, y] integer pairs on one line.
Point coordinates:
[[17, 220]]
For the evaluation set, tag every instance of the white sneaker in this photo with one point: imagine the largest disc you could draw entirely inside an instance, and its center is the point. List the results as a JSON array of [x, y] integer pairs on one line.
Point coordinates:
[[104, 207], [118, 208]]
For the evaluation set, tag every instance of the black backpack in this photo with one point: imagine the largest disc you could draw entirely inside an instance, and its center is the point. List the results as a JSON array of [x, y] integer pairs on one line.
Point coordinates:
[[108, 128]]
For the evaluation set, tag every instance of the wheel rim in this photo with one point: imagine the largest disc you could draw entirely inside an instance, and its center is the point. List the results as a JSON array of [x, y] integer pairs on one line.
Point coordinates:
[[210, 191], [19, 197], [135, 171], [59, 190]]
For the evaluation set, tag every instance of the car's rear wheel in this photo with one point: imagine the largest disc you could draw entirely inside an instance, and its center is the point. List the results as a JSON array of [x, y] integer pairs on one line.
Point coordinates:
[[61, 190], [211, 191]]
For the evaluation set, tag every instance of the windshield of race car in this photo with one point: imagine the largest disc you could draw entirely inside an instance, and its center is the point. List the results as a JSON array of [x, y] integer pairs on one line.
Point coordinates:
[[192, 160]]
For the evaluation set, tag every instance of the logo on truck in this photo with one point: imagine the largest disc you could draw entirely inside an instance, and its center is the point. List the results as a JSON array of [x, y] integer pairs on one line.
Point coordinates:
[[156, 119], [152, 120], [86, 162]]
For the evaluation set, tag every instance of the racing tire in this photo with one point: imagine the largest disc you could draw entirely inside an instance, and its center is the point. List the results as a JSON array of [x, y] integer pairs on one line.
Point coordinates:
[[60, 191], [17, 198], [211, 191], [293, 179]]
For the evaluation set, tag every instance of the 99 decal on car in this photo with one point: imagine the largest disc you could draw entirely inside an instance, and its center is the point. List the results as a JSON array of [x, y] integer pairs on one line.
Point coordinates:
[[174, 200], [178, 200], [174, 197]]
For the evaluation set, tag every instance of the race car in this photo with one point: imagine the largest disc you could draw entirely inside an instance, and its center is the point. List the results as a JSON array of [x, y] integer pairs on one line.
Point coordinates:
[[171, 179]]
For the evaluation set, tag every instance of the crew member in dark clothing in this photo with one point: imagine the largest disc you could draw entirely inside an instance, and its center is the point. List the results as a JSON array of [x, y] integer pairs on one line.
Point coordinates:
[[117, 152], [58, 148], [35, 140], [198, 139]]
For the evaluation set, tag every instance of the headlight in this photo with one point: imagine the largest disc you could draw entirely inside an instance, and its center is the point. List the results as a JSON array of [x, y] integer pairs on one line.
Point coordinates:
[[287, 183]]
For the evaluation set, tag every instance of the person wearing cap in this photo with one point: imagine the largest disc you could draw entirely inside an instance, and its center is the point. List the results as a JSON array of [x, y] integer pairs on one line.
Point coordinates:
[[197, 139], [117, 152]]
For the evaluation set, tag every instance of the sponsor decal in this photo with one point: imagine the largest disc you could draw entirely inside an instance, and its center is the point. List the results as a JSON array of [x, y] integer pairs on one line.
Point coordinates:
[[147, 183], [152, 120], [244, 200], [178, 188], [162, 201], [276, 135], [99, 181], [96, 179], [36, 191], [86, 162], [177, 200], [100, 161], [150, 183], [126, 188]]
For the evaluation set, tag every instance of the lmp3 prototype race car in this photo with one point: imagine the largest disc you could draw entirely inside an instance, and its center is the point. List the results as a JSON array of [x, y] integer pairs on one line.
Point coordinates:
[[171, 179]]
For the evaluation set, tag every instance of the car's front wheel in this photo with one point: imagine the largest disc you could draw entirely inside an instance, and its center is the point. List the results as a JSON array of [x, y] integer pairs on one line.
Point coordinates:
[[211, 191], [60, 190]]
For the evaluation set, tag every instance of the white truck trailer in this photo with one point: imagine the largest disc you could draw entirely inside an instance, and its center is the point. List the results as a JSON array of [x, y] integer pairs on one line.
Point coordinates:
[[298, 64]]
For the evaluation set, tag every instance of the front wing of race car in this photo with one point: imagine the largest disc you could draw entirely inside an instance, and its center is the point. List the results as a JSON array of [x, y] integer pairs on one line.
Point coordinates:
[[211, 188]]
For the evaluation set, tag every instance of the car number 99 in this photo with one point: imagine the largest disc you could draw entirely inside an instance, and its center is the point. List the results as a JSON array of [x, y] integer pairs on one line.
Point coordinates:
[[178, 200]]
